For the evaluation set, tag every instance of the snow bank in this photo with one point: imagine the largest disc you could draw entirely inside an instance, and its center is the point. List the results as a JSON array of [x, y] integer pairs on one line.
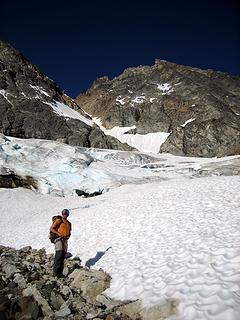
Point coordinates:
[[150, 142], [174, 239]]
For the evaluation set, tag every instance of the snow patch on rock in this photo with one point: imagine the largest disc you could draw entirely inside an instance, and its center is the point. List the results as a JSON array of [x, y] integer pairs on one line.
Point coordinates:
[[150, 142], [139, 99], [65, 111], [166, 88], [40, 90], [188, 121], [120, 100]]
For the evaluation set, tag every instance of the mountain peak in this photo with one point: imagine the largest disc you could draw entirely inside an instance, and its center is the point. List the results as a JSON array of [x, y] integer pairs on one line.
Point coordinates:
[[190, 111], [199, 109], [5, 46], [33, 106]]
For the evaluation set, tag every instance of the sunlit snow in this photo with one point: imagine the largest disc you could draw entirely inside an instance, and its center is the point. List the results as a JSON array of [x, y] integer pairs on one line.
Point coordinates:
[[5, 95], [120, 100], [152, 99], [188, 121], [149, 142], [40, 90], [65, 111], [170, 233], [139, 99], [3, 92], [166, 88]]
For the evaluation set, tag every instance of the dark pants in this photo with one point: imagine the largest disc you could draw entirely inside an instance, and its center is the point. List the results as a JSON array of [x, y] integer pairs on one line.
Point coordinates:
[[61, 250]]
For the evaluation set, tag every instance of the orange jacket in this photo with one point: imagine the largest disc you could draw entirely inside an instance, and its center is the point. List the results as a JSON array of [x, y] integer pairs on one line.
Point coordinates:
[[62, 227]]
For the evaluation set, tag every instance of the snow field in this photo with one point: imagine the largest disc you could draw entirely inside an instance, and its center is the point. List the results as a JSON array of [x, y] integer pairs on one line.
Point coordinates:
[[149, 142], [174, 239], [181, 246]]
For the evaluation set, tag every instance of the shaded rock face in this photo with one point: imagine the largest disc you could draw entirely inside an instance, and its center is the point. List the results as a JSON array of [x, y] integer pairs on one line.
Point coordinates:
[[201, 108], [29, 291], [14, 181], [26, 96]]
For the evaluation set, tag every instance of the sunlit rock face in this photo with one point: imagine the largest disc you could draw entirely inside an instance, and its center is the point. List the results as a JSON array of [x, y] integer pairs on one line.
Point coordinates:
[[33, 106], [199, 108]]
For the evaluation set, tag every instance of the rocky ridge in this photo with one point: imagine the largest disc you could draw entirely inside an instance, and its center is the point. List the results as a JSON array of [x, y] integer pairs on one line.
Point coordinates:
[[31, 106], [28, 290], [200, 108]]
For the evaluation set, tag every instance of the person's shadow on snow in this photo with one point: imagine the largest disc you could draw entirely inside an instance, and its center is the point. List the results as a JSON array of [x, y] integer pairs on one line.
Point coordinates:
[[91, 262]]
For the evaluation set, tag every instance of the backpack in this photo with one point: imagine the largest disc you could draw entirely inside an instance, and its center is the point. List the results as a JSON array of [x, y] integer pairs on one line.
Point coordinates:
[[53, 236]]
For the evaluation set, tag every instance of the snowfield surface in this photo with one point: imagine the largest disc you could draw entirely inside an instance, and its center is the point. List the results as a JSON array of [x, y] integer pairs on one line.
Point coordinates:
[[149, 142], [163, 233]]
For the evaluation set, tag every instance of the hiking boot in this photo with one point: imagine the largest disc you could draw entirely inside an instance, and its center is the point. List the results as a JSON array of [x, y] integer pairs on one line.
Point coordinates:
[[58, 275]]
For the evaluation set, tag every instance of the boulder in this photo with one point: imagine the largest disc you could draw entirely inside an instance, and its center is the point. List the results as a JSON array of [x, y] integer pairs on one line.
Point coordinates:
[[89, 282], [79, 296]]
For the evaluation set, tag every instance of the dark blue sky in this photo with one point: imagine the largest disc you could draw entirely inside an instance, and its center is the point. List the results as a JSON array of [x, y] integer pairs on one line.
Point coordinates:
[[75, 42]]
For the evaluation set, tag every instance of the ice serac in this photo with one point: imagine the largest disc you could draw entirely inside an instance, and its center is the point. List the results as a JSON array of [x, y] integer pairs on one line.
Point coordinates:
[[199, 108], [33, 106]]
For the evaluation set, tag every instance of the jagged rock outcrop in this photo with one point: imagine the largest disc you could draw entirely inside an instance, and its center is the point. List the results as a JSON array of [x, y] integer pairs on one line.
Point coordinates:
[[200, 108], [29, 291], [33, 106]]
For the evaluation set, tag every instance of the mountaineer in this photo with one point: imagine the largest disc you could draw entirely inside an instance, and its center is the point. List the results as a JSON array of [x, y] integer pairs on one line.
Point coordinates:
[[60, 230]]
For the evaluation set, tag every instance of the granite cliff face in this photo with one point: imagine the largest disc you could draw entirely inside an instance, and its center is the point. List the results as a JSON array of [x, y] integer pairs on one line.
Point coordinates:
[[200, 108], [33, 106]]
